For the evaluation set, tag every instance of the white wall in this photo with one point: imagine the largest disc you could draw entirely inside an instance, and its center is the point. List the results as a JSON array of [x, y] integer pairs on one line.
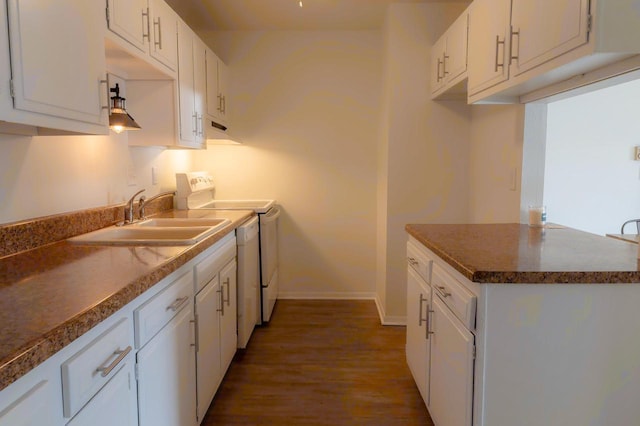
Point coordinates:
[[591, 181], [495, 149], [41, 176], [306, 105], [423, 149]]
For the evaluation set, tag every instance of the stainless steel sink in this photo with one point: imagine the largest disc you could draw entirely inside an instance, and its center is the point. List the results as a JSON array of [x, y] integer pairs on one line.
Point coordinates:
[[166, 231]]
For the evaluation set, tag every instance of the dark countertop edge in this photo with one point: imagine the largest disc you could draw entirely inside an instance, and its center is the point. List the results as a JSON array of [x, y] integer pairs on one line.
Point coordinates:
[[528, 277], [31, 355]]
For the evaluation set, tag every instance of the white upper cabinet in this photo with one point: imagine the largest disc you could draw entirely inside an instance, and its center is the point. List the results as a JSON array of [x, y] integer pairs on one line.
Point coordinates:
[[217, 88], [488, 44], [148, 25], [545, 29], [191, 85], [449, 61], [129, 19], [53, 65], [524, 50], [163, 29]]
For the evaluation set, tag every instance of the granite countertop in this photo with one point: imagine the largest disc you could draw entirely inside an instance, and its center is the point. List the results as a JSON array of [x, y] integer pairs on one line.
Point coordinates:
[[52, 294], [516, 253]]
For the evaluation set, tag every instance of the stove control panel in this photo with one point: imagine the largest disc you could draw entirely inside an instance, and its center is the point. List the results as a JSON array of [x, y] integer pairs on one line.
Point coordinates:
[[188, 183]]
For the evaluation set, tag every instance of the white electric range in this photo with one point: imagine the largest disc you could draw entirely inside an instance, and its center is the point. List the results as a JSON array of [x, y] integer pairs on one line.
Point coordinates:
[[195, 190]]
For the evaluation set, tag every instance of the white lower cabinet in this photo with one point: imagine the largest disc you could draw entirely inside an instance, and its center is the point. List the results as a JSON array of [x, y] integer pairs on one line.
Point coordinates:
[[100, 379], [228, 314], [451, 381], [418, 302], [440, 347], [115, 404], [166, 374], [216, 320], [33, 407], [208, 347]]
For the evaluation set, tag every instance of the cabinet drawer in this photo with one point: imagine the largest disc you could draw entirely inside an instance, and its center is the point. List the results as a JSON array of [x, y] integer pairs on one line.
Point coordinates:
[[460, 300], [210, 265], [419, 261], [85, 373], [158, 311]]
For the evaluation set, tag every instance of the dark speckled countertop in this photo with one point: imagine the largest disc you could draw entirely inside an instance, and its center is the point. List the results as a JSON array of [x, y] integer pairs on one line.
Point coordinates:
[[516, 253], [52, 294]]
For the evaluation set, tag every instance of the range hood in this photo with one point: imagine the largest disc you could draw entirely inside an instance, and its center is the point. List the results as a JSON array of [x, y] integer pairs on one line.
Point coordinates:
[[219, 134]]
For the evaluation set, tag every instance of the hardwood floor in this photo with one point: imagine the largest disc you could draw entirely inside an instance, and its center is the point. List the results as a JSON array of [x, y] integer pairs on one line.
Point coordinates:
[[320, 362]]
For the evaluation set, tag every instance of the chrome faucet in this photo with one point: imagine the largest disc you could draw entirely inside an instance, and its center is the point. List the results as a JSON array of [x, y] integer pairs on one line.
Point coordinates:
[[128, 209], [142, 203]]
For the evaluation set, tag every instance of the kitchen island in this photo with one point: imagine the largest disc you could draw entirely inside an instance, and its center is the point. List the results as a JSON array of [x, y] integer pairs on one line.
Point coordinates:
[[525, 326]]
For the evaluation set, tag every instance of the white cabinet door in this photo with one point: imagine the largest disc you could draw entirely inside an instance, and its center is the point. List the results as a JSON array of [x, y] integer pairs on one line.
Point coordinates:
[[199, 87], [57, 59], [437, 54], [228, 315], [208, 347], [214, 100], [115, 404], [188, 117], [451, 376], [166, 375], [163, 28], [545, 29], [129, 19], [489, 24], [223, 89], [417, 349], [455, 60], [192, 87], [33, 408]]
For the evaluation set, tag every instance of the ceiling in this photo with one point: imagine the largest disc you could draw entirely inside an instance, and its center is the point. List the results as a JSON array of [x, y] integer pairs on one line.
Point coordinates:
[[227, 15]]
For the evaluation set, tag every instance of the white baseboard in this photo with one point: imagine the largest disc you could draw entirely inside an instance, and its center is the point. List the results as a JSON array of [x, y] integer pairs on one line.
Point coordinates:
[[388, 319], [326, 295]]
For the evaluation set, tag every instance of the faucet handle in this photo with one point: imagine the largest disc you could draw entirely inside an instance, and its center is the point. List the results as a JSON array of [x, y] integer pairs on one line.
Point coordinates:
[[141, 204], [128, 210]]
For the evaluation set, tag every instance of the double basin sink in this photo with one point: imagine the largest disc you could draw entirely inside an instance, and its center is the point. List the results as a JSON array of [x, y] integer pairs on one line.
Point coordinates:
[[159, 231]]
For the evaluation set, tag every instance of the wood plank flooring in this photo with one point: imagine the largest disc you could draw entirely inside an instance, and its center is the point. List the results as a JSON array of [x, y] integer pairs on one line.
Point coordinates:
[[320, 362]]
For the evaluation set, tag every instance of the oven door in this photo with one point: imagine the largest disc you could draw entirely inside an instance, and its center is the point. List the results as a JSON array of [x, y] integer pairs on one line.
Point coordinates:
[[269, 260]]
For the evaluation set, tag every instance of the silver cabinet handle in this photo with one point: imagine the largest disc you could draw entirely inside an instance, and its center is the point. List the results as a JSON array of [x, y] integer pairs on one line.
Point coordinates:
[[220, 102], [438, 78], [145, 14], [195, 123], [221, 310], [177, 304], [158, 41], [444, 65], [106, 85], [224, 104], [443, 291], [412, 261], [121, 355], [511, 55], [498, 43], [227, 282], [420, 319], [427, 328], [195, 326]]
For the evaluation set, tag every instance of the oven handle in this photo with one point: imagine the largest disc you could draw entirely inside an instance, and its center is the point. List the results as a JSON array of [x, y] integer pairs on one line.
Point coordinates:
[[273, 214]]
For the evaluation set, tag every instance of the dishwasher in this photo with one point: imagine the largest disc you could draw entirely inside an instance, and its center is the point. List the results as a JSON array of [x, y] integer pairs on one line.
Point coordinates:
[[248, 279]]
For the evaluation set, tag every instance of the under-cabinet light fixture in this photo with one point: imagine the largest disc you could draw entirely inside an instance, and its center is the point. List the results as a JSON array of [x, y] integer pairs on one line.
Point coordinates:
[[300, 3], [119, 118]]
